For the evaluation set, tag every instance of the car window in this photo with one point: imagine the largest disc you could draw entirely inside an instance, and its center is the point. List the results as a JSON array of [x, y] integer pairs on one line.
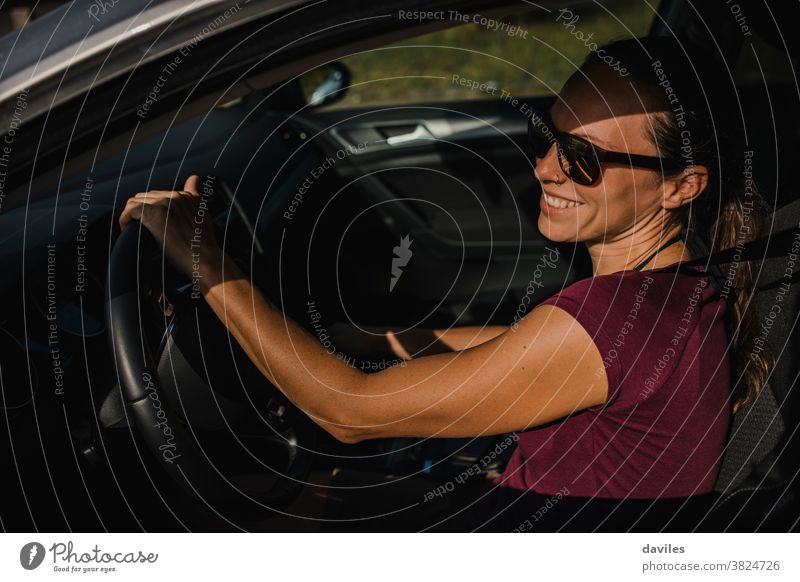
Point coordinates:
[[528, 54]]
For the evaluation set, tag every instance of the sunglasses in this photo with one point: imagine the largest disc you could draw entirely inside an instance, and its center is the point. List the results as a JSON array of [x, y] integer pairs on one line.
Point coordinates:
[[579, 158]]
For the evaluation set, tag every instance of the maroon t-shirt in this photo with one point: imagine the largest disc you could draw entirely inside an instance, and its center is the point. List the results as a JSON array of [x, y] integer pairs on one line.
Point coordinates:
[[663, 427]]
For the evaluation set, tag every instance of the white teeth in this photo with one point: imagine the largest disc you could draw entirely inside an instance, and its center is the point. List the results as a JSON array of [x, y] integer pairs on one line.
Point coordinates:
[[560, 202]]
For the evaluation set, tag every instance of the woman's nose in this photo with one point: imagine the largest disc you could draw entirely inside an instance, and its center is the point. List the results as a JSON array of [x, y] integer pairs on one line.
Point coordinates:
[[547, 168]]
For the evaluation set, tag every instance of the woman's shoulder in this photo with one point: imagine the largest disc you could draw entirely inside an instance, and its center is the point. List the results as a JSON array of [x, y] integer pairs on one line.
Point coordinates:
[[630, 311]]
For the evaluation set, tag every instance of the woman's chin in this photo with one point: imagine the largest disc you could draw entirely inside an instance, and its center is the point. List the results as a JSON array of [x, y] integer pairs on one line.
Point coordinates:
[[554, 232]]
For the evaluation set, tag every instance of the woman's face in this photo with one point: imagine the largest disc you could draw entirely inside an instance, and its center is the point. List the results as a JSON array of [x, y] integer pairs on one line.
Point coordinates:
[[607, 112]]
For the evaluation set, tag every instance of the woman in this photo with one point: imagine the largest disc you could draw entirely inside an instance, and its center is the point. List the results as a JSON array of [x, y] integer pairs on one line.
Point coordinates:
[[624, 377]]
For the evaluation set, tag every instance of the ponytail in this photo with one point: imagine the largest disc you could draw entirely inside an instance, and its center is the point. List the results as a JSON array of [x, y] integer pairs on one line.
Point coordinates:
[[739, 220]]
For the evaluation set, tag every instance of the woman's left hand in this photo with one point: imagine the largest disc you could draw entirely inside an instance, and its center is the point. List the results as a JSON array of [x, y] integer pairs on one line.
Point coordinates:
[[180, 223]]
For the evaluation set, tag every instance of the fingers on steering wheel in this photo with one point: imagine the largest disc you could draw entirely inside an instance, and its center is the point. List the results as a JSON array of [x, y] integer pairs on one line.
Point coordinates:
[[134, 204], [132, 211], [134, 208]]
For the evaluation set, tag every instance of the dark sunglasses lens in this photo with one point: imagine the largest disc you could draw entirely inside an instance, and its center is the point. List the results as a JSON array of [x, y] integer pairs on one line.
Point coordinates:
[[540, 137], [583, 167], [577, 158]]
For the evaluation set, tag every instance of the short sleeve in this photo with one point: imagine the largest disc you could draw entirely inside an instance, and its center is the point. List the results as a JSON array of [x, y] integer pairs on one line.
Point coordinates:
[[595, 317]]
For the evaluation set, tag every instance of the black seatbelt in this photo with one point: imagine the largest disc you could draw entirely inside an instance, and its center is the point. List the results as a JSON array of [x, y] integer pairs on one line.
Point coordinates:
[[767, 247], [782, 243]]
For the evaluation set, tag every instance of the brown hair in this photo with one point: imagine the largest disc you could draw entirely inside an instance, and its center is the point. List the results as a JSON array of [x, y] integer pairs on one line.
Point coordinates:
[[697, 121]]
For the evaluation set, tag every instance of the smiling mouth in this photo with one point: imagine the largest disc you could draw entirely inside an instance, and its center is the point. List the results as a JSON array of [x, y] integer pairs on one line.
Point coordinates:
[[560, 202]]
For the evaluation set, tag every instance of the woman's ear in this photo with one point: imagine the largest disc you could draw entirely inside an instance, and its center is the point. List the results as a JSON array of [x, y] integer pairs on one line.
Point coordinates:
[[685, 187]]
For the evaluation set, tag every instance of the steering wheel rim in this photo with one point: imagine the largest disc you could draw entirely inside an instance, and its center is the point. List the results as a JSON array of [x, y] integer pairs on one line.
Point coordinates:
[[158, 424]]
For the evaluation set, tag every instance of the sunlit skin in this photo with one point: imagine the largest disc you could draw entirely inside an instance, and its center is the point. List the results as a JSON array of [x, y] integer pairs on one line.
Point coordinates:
[[490, 380]]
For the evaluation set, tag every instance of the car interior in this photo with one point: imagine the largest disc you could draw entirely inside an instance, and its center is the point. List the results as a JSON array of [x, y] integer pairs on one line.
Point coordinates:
[[320, 161]]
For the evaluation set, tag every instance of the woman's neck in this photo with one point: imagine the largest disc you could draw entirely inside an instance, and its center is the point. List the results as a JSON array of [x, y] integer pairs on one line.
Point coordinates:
[[626, 253]]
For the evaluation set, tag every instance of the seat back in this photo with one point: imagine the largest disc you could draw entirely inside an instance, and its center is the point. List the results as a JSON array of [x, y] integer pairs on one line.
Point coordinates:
[[763, 446]]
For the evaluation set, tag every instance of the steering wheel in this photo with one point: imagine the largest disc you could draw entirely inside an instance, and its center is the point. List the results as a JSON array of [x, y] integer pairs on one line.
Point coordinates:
[[224, 445]]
